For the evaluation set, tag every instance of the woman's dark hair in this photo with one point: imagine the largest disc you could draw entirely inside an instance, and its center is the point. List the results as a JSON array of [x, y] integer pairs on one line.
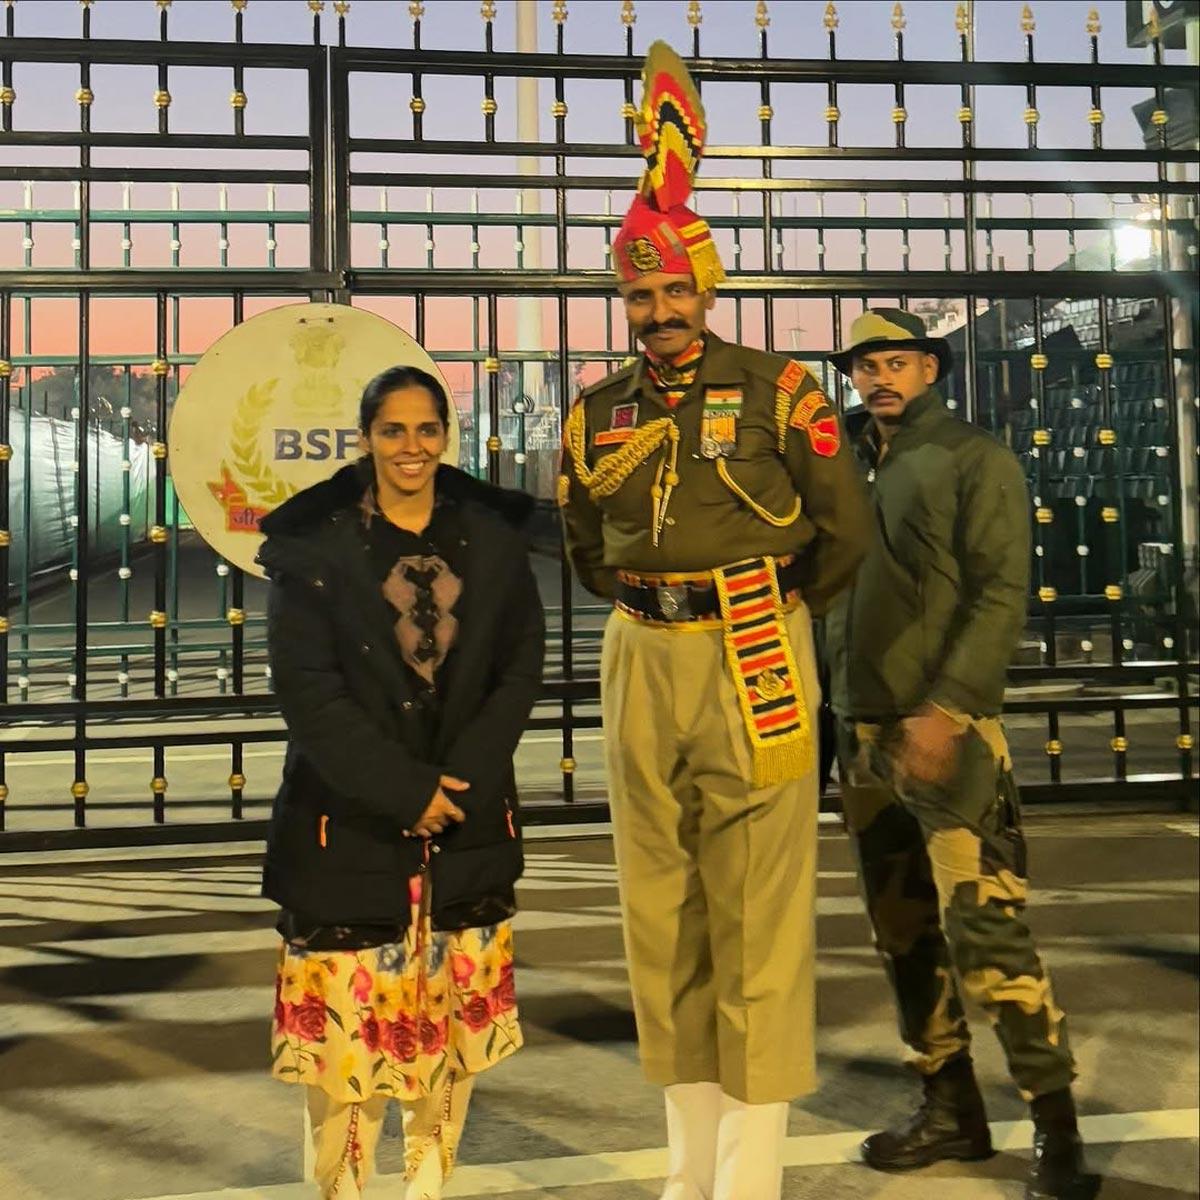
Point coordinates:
[[392, 380]]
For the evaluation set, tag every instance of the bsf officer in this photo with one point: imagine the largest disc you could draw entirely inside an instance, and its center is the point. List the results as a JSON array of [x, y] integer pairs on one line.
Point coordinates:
[[707, 490], [919, 647]]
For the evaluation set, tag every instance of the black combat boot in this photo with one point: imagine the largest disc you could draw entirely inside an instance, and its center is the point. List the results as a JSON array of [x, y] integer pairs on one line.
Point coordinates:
[[951, 1123], [1058, 1172]]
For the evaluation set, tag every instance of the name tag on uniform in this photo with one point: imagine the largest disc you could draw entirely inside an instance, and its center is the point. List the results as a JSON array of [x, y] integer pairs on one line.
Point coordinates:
[[622, 426], [718, 424]]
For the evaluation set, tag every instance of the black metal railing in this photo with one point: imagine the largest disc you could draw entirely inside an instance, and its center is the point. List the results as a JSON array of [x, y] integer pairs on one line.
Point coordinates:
[[1085, 364]]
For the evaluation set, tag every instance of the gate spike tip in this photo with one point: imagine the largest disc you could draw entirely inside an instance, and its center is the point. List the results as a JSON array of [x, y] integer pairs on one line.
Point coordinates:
[[761, 17], [694, 15], [628, 16], [831, 17], [341, 7], [416, 10], [1093, 23], [239, 5], [962, 19], [487, 10], [898, 21], [1028, 24], [559, 12]]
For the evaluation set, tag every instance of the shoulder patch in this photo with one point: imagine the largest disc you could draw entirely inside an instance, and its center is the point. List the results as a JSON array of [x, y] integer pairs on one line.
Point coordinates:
[[791, 375], [807, 408], [825, 436]]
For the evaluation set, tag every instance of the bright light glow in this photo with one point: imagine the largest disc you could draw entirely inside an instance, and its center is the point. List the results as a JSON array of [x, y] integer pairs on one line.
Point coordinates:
[[1133, 243]]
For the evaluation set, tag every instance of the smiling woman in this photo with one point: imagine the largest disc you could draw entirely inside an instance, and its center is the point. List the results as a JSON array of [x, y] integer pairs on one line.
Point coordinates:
[[406, 643], [404, 421]]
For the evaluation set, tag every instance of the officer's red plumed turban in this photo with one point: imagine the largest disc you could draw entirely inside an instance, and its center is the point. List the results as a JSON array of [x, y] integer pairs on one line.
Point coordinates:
[[660, 233]]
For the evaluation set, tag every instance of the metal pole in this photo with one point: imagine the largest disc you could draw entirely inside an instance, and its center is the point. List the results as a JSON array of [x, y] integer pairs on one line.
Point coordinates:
[[529, 308]]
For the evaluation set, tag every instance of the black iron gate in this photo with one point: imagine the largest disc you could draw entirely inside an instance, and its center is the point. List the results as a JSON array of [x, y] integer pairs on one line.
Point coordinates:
[[1065, 276]]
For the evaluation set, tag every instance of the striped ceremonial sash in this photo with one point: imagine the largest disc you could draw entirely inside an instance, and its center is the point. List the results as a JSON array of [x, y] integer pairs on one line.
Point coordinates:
[[764, 671]]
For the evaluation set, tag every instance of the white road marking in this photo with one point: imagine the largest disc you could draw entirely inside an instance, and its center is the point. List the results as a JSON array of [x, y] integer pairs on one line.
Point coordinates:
[[812, 1150]]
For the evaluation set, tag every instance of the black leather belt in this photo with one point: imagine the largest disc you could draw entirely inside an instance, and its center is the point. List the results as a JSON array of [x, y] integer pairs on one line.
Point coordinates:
[[655, 600]]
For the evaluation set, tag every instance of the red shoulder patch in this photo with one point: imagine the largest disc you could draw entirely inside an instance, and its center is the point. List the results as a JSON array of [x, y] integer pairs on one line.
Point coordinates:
[[807, 408], [825, 436], [790, 376]]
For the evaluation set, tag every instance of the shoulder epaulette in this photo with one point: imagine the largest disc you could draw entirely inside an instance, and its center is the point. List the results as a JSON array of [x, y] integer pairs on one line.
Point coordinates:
[[615, 377]]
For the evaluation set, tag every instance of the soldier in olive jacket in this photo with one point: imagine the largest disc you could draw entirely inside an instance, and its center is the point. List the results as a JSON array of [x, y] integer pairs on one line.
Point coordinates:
[[919, 647]]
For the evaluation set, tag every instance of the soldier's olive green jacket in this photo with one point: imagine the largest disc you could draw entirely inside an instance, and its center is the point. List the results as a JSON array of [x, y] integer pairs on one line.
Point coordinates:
[[788, 483], [939, 603]]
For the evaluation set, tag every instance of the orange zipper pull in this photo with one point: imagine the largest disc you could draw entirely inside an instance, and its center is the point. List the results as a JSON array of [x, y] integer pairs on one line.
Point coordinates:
[[322, 837]]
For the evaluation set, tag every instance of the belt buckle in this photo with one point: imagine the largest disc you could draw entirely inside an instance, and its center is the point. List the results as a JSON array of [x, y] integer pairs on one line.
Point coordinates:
[[672, 601]]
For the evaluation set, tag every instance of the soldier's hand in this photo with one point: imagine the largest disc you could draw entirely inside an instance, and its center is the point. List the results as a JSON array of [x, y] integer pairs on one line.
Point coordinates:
[[442, 810], [930, 747]]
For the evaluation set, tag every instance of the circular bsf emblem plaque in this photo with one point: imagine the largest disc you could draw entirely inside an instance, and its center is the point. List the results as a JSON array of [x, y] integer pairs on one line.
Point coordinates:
[[273, 407]]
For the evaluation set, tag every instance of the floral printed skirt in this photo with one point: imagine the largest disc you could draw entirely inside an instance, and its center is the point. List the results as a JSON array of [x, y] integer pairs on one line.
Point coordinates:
[[391, 1020]]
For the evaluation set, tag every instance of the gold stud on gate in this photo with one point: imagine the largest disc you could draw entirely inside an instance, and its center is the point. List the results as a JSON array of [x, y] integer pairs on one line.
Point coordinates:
[[1039, 362], [1054, 747], [1113, 592], [494, 445], [237, 99], [1109, 515], [79, 789], [159, 450], [491, 365], [489, 106], [236, 616], [158, 534], [1047, 595], [1044, 515], [1184, 741], [3, 792], [237, 782], [1107, 437], [7, 96], [84, 97], [5, 538], [1119, 745], [567, 766], [1041, 437], [4, 626], [1104, 362], [158, 620], [158, 785], [162, 98]]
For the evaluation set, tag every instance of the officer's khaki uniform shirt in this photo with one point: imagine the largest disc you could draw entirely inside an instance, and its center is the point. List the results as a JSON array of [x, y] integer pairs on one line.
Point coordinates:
[[789, 447]]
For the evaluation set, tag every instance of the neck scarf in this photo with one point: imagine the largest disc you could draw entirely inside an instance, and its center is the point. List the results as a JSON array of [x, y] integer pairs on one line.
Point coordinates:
[[672, 377]]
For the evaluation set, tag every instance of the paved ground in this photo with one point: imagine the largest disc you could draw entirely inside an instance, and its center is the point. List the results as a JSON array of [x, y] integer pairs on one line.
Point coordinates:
[[135, 990]]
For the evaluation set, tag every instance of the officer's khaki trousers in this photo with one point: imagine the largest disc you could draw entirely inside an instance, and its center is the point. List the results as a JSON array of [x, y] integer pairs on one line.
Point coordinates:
[[718, 879]]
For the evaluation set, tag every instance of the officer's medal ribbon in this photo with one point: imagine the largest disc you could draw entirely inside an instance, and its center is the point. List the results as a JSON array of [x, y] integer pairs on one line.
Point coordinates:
[[718, 424], [760, 657]]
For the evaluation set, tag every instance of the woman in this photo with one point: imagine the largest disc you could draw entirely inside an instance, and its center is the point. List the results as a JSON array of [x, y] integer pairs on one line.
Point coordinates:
[[406, 640]]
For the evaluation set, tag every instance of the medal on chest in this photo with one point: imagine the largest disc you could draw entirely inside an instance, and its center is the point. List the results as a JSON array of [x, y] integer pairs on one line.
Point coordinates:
[[718, 422]]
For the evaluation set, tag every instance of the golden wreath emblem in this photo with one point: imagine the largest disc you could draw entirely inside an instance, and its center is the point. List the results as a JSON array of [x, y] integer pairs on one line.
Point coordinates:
[[769, 685], [645, 255], [254, 472]]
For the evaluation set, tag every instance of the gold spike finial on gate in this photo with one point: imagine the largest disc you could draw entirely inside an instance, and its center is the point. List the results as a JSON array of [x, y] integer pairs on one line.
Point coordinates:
[[316, 6], [898, 22], [341, 7], [628, 16], [694, 15], [163, 3], [558, 14], [416, 10], [1093, 23], [761, 17], [1028, 24], [831, 17], [239, 5], [962, 19], [487, 10]]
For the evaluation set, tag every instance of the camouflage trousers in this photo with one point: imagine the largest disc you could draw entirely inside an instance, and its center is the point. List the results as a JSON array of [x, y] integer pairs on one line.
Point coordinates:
[[944, 878]]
